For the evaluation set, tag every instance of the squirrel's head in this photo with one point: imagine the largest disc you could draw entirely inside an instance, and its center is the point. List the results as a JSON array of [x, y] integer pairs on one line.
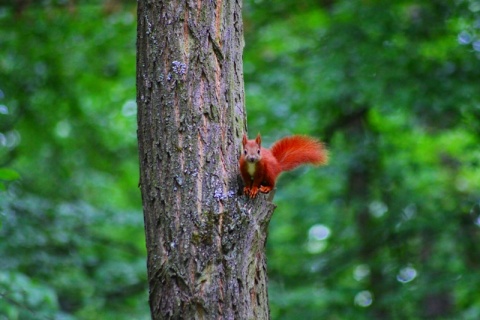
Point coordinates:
[[252, 148]]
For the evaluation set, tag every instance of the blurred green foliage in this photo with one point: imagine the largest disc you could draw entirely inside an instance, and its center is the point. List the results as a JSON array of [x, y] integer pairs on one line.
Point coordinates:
[[387, 231], [72, 243]]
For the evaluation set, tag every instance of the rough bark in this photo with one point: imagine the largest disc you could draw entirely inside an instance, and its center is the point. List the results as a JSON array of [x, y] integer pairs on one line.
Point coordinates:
[[205, 241]]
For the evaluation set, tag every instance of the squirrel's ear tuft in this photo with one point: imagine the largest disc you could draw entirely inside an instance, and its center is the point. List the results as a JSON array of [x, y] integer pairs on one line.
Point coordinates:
[[258, 140], [244, 139]]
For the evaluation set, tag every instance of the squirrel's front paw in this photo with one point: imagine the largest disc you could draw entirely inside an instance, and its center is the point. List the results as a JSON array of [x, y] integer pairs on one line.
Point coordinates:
[[253, 192], [265, 189]]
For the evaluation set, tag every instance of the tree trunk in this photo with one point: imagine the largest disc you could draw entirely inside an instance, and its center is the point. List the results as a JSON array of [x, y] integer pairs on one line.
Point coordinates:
[[360, 179], [205, 241]]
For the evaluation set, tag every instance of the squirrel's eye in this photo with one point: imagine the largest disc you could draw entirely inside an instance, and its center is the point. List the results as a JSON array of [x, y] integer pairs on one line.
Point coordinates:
[[258, 151], [245, 152]]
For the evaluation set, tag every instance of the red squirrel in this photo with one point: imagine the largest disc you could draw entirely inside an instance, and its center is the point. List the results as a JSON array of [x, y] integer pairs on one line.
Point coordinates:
[[260, 167]]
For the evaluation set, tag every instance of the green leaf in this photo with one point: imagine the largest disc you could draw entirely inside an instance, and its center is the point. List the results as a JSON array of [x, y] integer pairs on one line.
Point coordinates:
[[8, 174]]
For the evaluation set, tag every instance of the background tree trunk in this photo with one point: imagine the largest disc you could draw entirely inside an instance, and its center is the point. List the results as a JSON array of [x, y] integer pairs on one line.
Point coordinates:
[[205, 243]]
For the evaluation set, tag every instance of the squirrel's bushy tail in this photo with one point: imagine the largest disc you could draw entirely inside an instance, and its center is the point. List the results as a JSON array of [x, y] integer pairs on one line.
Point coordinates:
[[293, 151]]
